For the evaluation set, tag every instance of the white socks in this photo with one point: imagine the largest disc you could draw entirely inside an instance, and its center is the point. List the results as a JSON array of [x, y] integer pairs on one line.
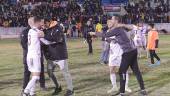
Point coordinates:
[[127, 80], [31, 85], [113, 79]]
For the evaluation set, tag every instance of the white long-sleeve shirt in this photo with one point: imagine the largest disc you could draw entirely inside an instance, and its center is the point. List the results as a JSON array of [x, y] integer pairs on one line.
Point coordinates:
[[34, 48]]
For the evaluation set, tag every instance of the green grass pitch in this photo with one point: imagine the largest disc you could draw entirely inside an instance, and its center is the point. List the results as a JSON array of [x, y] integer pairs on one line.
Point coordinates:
[[89, 77]]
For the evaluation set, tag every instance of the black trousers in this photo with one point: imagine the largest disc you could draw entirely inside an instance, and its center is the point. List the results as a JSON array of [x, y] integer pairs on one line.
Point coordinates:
[[152, 55], [89, 41], [129, 59], [27, 73]]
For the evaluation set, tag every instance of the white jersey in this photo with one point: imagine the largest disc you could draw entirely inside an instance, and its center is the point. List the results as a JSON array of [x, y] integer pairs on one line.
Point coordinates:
[[115, 54], [137, 32], [144, 29], [139, 36], [115, 50], [33, 43]]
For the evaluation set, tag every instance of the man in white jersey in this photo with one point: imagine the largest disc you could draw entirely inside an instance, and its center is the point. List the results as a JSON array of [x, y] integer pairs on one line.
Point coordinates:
[[115, 58], [140, 38], [33, 56], [143, 29]]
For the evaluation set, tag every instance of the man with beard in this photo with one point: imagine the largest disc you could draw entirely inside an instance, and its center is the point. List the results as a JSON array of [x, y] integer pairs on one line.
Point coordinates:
[[56, 54], [129, 56]]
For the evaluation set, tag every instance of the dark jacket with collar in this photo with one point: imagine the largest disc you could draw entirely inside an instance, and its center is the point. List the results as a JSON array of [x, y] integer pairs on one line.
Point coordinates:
[[86, 31], [58, 50], [122, 39], [23, 42]]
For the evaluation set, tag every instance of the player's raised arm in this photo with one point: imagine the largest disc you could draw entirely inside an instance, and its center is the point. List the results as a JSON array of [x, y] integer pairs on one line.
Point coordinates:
[[54, 32], [46, 42]]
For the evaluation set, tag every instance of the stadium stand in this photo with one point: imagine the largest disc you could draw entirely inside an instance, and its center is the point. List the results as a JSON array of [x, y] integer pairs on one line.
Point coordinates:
[[16, 14]]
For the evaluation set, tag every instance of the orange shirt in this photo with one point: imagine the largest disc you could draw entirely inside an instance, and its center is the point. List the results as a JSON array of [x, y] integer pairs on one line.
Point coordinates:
[[152, 36]]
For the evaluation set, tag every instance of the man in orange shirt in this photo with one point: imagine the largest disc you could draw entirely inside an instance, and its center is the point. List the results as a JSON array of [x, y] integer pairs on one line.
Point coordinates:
[[152, 44]]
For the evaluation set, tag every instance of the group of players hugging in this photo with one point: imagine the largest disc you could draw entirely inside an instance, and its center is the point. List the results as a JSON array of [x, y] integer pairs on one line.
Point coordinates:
[[46, 37]]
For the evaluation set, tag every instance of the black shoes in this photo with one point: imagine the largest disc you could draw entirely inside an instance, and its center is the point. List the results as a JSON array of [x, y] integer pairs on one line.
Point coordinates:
[[143, 93], [57, 90], [22, 92], [25, 94], [121, 94], [69, 93], [43, 89]]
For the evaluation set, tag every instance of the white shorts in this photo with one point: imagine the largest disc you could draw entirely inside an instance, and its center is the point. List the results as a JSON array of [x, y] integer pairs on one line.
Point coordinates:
[[34, 64], [115, 61], [139, 42], [115, 54], [61, 63]]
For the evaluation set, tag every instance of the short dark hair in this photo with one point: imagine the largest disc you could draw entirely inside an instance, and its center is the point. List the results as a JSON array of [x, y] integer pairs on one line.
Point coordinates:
[[47, 19], [117, 17], [109, 17], [152, 25], [37, 19]]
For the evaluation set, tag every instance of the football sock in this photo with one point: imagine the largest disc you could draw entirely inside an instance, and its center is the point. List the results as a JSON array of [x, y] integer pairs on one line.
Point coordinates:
[[113, 79], [127, 79], [31, 85]]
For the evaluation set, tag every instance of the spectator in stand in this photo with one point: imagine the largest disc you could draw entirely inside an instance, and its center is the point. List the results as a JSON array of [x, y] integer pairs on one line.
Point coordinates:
[[147, 13], [79, 26], [74, 31], [1, 22], [17, 14], [6, 23]]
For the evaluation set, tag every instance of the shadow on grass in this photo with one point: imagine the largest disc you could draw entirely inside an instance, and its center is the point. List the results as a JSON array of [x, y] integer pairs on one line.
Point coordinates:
[[164, 53], [10, 83], [9, 74], [91, 83], [83, 65], [160, 80]]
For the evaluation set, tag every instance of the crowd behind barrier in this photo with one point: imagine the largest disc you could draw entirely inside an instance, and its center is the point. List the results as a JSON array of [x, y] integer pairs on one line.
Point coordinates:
[[13, 32], [146, 12]]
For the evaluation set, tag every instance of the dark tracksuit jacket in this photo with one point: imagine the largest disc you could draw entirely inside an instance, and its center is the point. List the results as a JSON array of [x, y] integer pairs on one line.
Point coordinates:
[[129, 57], [58, 50], [122, 38]]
